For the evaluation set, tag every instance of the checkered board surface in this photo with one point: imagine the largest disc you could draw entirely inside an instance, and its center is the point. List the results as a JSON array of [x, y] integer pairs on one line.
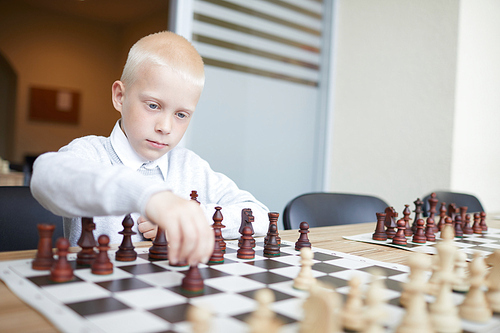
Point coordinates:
[[144, 296], [485, 243]]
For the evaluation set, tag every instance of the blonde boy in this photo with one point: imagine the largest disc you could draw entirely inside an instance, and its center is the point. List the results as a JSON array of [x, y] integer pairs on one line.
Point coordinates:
[[139, 168]]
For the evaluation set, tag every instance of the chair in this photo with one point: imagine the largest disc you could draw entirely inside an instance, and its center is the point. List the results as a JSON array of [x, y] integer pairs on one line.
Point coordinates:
[[460, 199], [326, 209], [19, 215]]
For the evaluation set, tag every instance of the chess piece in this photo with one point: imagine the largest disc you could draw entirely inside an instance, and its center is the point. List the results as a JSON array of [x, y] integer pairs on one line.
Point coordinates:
[[217, 255], [192, 283], [61, 271], [443, 268], [442, 215], [452, 211], [458, 226], [273, 219], [321, 311], [305, 278], [419, 235], [483, 222], [375, 313], [102, 265], [429, 230], [475, 306], [406, 218], [87, 242], [493, 282], [303, 240], [263, 319], [353, 307], [476, 227], [448, 222], [467, 230], [217, 226], [271, 247], [418, 212], [390, 222], [194, 196], [159, 249], [461, 282], [200, 318], [246, 251], [433, 201], [126, 250], [419, 263], [44, 257], [379, 233], [399, 238], [463, 212], [247, 220], [416, 319]]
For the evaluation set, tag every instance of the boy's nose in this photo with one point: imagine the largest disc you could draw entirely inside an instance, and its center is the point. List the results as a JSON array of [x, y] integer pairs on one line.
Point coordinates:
[[163, 125]]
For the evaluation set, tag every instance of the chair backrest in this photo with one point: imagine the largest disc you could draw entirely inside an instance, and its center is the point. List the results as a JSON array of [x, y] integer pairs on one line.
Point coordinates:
[[326, 209], [460, 199], [19, 215]]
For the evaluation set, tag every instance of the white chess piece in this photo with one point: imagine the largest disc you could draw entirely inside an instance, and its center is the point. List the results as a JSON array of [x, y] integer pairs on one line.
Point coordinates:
[[353, 307], [305, 278], [321, 311], [200, 319], [493, 281], [263, 319]]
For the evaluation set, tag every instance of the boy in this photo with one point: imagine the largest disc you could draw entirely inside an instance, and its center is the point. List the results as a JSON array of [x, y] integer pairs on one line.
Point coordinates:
[[139, 168]]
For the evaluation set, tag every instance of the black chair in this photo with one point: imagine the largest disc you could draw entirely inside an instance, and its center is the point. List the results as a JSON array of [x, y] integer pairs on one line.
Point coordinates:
[[460, 199], [326, 209], [19, 215]]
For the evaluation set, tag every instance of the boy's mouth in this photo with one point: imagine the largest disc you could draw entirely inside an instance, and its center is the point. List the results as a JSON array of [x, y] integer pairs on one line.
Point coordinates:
[[157, 144]]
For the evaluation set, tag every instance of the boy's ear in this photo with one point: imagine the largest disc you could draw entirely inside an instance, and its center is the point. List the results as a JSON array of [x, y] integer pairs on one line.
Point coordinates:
[[118, 93]]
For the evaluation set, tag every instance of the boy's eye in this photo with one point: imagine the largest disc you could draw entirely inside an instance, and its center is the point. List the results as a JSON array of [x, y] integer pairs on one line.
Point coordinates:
[[153, 106], [181, 115]]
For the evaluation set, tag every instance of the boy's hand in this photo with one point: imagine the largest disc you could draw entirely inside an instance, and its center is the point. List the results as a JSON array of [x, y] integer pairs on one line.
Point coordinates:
[[147, 228], [189, 235]]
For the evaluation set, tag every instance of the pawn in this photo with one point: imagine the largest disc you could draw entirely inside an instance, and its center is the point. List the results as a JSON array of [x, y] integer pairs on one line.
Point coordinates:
[[263, 319], [272, 247], [399, 238], [429, 230], [126, 250], [419, 235], [246, 251], [379, 233], [353, 307], [305, 278], [303, 240], [483, 222], [102, 265], [200, 318], [273, 219], [442, 215], [461, 281], [467, 229], [44, 257], [159, 249], [476, 227], [61, 271], [193, 282], [458, 226]]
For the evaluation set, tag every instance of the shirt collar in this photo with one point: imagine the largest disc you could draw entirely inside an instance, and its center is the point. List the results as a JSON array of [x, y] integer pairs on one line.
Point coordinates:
[[129, 157]]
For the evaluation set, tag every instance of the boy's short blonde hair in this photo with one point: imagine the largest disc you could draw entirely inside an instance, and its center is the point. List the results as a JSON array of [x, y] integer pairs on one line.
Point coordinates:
[[165, 49]]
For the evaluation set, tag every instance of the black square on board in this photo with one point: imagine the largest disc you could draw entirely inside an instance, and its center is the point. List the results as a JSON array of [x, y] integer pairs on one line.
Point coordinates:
[[44, 280], [207, 290], [324, 257], [267, 277], [278, 295], [333, 281], [286, 320], [209, 273], [385, 271], [123, 284], [173, 314], [139, 269], [327, 268], [268, 264], [95, 306]]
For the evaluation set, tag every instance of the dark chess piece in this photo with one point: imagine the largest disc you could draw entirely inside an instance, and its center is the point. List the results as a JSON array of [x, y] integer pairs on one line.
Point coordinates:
[[476, 227], [467, 229], [379, 233], [217, 226], [400, 238], [442, 215], [406, 218], [192, 283], [390, 222], [61, 271], [194, 196], [463, 212], [126, 250], [419, 235], [418, 213], [433, 201], [159, 250], [458, 226], [483, 222], [452, 211], [303, 240], [429, 230], [247, 220], [102, 265], [272, 248], [87, 242], [44, 256], [217, 255], [273, 219], [246, 250]]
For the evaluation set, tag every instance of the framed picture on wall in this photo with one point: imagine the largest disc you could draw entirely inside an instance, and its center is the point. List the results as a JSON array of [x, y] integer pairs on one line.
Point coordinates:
[[54, 105]]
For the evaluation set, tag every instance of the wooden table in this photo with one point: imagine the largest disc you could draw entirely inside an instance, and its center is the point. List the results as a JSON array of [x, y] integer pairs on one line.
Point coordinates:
[[16, 316]]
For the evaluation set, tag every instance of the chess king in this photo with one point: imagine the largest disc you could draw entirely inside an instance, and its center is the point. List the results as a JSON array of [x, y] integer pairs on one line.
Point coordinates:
[[139, 168]]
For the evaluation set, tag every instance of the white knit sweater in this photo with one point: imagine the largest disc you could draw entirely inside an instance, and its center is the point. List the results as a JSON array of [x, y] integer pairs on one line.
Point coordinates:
[[87, 178]]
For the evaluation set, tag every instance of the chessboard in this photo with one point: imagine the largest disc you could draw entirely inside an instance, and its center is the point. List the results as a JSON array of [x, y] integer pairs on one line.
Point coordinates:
[[145, 296], [485, 243]]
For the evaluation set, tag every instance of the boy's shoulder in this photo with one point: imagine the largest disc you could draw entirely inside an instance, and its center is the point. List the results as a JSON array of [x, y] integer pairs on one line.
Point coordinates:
[[88, 145]]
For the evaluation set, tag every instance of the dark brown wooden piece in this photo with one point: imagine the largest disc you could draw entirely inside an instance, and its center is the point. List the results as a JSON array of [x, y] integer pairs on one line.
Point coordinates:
[[390, 222], [159, 249], [303, 240], [192, 283], [87, 242], [247, 220], [458, 226], [273, 219], [476, 227], [442, 216], [272, 248], [61, 271], [126, 250], [102, 265], [483, 222], [246, 250], [400, 238], [418, 212], [419, 235], [467, 229], [194, 196], [217, 225], [379, 233], [44, 258], [429, 230], [406, 218], [452, 211]]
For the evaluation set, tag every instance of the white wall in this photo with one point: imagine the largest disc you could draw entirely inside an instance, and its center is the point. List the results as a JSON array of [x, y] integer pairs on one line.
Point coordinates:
[[394, 98], [476, 139]]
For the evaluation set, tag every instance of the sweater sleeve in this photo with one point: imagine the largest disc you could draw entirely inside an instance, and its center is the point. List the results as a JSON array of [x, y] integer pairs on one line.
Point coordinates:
[[79, 180]]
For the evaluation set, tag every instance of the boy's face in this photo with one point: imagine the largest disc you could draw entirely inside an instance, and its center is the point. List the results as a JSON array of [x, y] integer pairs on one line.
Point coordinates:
[[156, 109]]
